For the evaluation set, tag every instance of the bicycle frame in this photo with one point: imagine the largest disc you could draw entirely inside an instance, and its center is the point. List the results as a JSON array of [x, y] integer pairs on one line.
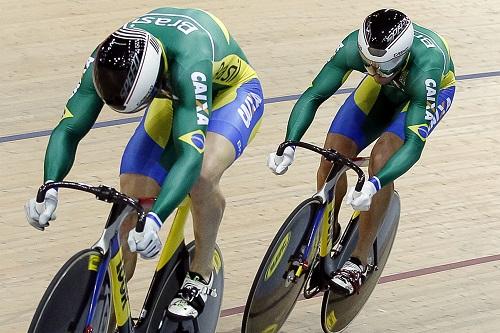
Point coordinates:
[[323, 221], [322, 218], [109, 246]]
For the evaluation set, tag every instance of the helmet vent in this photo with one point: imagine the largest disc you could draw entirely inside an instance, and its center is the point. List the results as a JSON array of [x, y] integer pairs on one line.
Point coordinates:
[[131, 76]]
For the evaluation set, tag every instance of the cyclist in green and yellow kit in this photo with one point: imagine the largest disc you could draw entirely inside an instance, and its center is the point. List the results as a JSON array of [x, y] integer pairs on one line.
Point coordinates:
[[409, 87], [203, 104]]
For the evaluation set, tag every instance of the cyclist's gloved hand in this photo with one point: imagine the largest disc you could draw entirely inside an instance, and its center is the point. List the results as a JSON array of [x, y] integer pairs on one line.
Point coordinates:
[[279, 164], [39, 214], [362, 200], [147, 243]]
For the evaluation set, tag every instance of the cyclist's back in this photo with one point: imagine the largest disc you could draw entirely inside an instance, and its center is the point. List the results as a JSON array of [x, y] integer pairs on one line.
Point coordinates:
[[192, 36]]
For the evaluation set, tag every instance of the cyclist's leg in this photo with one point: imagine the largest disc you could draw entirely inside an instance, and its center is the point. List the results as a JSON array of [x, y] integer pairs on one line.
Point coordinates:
[[386, 146], [234, 121], [388, 143], [208, 202], [379, 113], [136, 186], [141, 173], [347, 133]]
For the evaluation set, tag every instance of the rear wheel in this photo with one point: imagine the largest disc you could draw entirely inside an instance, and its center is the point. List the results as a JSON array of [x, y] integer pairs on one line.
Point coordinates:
[[273, 296], [65, 304], [338, 311], [175, 271]]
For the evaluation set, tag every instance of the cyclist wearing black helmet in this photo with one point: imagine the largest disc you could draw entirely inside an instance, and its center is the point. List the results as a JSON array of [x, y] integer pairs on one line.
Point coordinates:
[[203, 105], [409, 86]]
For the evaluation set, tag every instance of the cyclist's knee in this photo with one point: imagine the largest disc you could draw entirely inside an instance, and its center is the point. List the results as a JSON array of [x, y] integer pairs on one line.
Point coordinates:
[[207, 183], [342, 144], [383, 150], [139, 186], [207, 190]]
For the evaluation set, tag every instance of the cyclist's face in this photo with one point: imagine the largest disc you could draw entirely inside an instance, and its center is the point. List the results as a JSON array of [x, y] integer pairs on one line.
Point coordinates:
[[383, 72]]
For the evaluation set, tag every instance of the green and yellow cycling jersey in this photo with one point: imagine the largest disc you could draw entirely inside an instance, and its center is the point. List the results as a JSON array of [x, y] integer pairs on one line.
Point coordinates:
[[202, 59]]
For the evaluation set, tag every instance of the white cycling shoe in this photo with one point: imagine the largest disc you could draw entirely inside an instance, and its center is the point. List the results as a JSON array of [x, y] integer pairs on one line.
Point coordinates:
[[350, 277], [191, 297]]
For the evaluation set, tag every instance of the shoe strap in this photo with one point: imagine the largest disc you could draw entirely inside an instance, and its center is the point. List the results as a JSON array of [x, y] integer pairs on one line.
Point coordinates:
[[209, 291], [349, 266], [190, 291]]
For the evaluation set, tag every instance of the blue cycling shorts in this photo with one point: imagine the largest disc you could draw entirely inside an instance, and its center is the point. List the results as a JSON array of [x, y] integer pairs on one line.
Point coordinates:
[[236, 114], [367, 113]]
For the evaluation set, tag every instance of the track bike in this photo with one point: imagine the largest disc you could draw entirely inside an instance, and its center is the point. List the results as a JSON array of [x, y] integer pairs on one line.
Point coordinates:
[[307, 251], [91, 284]]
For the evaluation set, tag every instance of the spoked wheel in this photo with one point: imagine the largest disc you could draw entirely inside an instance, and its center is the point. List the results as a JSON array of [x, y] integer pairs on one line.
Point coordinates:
[[338, 311], [277, 285], [65, 304]]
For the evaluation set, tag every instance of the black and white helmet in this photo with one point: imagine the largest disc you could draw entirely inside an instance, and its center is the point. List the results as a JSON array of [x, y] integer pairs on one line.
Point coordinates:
[[384, 41], [128, 69]]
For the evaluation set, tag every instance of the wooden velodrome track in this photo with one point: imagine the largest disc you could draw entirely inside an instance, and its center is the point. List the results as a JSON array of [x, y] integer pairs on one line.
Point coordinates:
[[443, 274]]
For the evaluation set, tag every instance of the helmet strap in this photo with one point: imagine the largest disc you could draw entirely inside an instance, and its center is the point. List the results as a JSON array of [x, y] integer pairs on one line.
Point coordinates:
[[163, 56], [406, 61]]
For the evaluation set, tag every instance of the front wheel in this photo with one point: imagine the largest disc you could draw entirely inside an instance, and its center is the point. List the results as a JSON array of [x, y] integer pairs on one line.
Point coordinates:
[[65, 304], [273, 296]]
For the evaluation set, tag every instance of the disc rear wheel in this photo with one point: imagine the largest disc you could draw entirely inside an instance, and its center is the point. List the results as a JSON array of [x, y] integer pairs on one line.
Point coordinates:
[[338, 310]]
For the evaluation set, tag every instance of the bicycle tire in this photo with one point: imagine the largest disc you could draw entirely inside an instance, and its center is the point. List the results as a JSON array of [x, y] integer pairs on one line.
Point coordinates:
[[338, 311], [64, 305], [270, 301]]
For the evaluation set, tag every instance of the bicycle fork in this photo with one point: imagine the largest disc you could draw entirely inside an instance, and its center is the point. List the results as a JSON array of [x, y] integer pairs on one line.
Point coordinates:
[[113, 262], [96, 264], [299, 264]]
